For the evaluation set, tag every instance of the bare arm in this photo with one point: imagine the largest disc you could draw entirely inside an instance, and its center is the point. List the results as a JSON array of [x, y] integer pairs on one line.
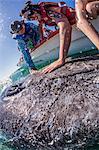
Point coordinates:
[[65, 39]]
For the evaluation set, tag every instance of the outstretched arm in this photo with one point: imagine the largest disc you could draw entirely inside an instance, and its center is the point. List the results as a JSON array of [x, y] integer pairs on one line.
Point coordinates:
[[65, 39], [25, 51]]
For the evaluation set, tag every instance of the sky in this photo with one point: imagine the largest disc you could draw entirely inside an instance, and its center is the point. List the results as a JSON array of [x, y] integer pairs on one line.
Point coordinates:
[[9, 54]]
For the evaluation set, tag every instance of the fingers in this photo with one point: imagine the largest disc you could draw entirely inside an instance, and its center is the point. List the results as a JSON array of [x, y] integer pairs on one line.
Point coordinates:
[[52, 67], [48, 70]]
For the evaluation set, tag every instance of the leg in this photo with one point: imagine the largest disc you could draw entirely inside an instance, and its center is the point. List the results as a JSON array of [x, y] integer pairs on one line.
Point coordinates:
[[93, 9], [84, 25]]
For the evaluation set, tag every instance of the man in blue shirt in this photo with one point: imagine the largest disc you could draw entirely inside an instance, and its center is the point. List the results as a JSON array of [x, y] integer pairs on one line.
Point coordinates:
[[27, 36]]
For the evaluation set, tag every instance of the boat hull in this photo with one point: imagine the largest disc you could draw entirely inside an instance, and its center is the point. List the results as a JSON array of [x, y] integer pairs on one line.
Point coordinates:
[[49, 50]]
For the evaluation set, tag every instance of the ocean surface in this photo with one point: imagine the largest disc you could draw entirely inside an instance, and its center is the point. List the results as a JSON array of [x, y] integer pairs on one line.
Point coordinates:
[[4, 144]]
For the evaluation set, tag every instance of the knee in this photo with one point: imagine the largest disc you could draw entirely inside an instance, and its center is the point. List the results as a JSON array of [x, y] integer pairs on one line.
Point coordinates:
[[90, 7]]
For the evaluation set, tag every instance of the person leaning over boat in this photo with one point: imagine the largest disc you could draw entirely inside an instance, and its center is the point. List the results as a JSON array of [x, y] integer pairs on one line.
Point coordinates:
[[55, 18], [27, 36], [62, 16], [90, 8]]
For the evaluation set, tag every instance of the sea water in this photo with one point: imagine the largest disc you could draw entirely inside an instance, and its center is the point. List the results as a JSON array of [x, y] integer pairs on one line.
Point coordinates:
[[3, 141], [4, 145]]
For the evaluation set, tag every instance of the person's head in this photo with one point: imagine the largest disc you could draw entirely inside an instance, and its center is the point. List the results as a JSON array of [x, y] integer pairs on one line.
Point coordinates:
[[17, 27], [31, 12]]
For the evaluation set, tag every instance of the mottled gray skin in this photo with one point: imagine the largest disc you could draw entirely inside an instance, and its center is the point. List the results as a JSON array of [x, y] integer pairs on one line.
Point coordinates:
[[56, 111]]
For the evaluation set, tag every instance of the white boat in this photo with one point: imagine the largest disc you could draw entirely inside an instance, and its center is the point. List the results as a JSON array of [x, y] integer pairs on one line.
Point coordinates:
[[48, 50]]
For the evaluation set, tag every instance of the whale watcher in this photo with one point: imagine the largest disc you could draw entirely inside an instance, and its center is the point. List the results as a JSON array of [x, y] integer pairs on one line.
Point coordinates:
[[27, 36]]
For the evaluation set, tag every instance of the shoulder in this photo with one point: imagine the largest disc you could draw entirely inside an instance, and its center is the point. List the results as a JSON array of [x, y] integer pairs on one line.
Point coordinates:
[[30, 25], [16, 37]]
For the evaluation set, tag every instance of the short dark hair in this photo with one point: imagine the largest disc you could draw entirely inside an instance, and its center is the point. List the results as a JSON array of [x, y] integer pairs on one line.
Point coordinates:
[[16, 26]]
